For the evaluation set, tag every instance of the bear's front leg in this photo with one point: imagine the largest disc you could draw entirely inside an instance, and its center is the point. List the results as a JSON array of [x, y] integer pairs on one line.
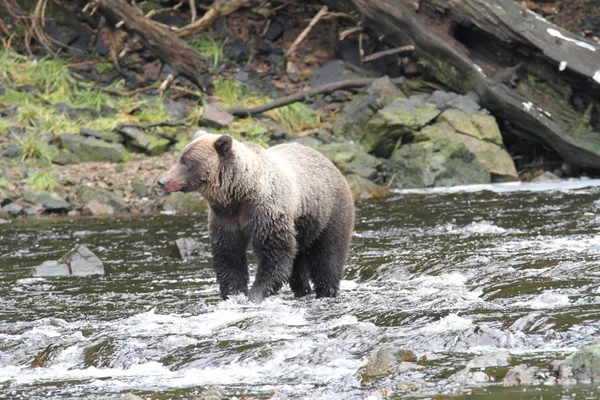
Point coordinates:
[[275, 251], [229, 258]]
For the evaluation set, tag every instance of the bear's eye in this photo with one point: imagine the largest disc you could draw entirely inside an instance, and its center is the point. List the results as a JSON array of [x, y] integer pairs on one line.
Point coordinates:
[[183, 161]]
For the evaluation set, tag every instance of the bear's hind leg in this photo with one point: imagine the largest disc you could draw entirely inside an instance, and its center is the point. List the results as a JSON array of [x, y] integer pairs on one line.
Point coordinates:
[[299, 281], [327, 256]]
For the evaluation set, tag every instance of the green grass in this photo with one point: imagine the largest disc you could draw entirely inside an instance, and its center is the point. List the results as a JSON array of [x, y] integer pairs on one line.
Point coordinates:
[[41, 181], [208, 48], [104, 67], [295, 117], [33, 146]]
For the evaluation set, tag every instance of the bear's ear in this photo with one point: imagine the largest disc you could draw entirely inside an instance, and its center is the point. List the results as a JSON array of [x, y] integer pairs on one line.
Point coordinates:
[[223, 144]]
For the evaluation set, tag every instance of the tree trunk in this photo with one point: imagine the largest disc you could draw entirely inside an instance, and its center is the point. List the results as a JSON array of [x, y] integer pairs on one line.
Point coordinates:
[[166, 45], [542, 79]]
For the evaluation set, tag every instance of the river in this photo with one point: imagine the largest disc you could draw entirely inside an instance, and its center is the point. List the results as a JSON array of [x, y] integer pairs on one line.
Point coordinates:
[[426, 268]]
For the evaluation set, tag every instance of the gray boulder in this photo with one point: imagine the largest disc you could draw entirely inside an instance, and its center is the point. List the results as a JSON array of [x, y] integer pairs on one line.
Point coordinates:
[[184, 203], [583, 366], [186, 248], [49, 201], [384, 360], [351, 159], [91, 197], [79, 261], [150, 144], [88, 148]]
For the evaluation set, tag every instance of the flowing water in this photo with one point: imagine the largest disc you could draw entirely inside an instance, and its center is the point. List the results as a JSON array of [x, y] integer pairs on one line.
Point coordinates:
[[426, 268]]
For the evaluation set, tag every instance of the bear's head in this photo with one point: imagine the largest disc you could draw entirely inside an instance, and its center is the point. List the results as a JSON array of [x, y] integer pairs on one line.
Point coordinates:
[[199, 167]]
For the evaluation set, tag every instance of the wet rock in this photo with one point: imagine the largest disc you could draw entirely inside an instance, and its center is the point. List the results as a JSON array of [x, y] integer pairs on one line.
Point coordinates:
[[82, 262], [237, 50], [478, 125], [214, 117], [497, 359], [401, 117], [434, 163], [32, 212], [186, 248], [483, 336], [583, 366], [42, 359], [352, 122], [131, 396], [335, 71], [13, 209], [106, 136], [109, 200], [364, 189], [91, 149], [546, 177], [493, 157], [150, 144], [96, 208], [51, 268], [385, 359], [212, 393], [469, 378], [76, 113], [49, 201], [444, 100], [525, 375], [184, 203]]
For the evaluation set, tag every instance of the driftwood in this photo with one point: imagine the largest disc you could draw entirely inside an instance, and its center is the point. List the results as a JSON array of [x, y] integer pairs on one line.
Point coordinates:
[[166, 45], [303, 96], [542, 80]]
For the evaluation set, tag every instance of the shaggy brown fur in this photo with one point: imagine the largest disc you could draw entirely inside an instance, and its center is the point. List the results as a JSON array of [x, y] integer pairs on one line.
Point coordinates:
[[290, 202]]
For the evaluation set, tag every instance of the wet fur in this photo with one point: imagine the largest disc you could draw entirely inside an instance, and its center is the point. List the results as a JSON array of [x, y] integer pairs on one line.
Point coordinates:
[[289, 202]]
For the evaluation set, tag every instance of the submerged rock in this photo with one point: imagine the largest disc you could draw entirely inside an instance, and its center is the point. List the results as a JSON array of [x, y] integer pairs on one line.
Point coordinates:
[[385, 359], [80, 261], [497, 359], [49, 201], [185, 248], [184, 203]]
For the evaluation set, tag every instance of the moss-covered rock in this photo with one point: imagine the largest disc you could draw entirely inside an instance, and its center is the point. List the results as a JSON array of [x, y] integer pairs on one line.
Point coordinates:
[[437, 162], [391, 123], [385, 360], [364, 189], [94, 196], [583, 366], [150, 144], [91, 149], [351, 159], [49, 201], [477, 124]]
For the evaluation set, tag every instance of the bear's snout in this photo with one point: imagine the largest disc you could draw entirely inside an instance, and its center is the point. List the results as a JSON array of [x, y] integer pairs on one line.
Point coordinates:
[[162, 183]]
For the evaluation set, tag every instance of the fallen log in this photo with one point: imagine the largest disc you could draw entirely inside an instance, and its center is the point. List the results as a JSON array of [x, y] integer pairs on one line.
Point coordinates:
[[166, 45], [543, 80]]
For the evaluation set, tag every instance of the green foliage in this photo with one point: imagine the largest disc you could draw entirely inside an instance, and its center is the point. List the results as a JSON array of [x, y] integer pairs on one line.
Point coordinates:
[[33, 146], [41, 181], [209, 48], [104, 67], [295, 117]]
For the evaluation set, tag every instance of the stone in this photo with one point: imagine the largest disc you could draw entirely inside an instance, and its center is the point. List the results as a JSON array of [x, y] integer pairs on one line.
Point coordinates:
[[444, 100], [110, 137], [497, 359], [131, 396], [335, 71], [214, 117], [51, 268], [307, 141], [83, 114], [94, 207], [212, 393], [391, 123], [65, 157], [31, 212], [14, 209], [186, 248], [469, 378], [352, 121], [108, 111], [483, 336], [92, 149], [364, 189], [546, 177], [478, 125], [583, 366], [10, 151], [492, 156], [351, 159], [49, 201], [82, 262], [434, 163], [384, 360], [525, 375], [140, 188], [237, 50], [87, 194], [183, 203], [176, 110], [150, 144], [274, 32]]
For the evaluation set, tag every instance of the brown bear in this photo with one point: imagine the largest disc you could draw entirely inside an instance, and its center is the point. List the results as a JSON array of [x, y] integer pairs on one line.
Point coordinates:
[[289, 202]]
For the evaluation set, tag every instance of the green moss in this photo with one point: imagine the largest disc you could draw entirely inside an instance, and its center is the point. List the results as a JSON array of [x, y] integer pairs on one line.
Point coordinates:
[[584, 123], [104, 67]]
